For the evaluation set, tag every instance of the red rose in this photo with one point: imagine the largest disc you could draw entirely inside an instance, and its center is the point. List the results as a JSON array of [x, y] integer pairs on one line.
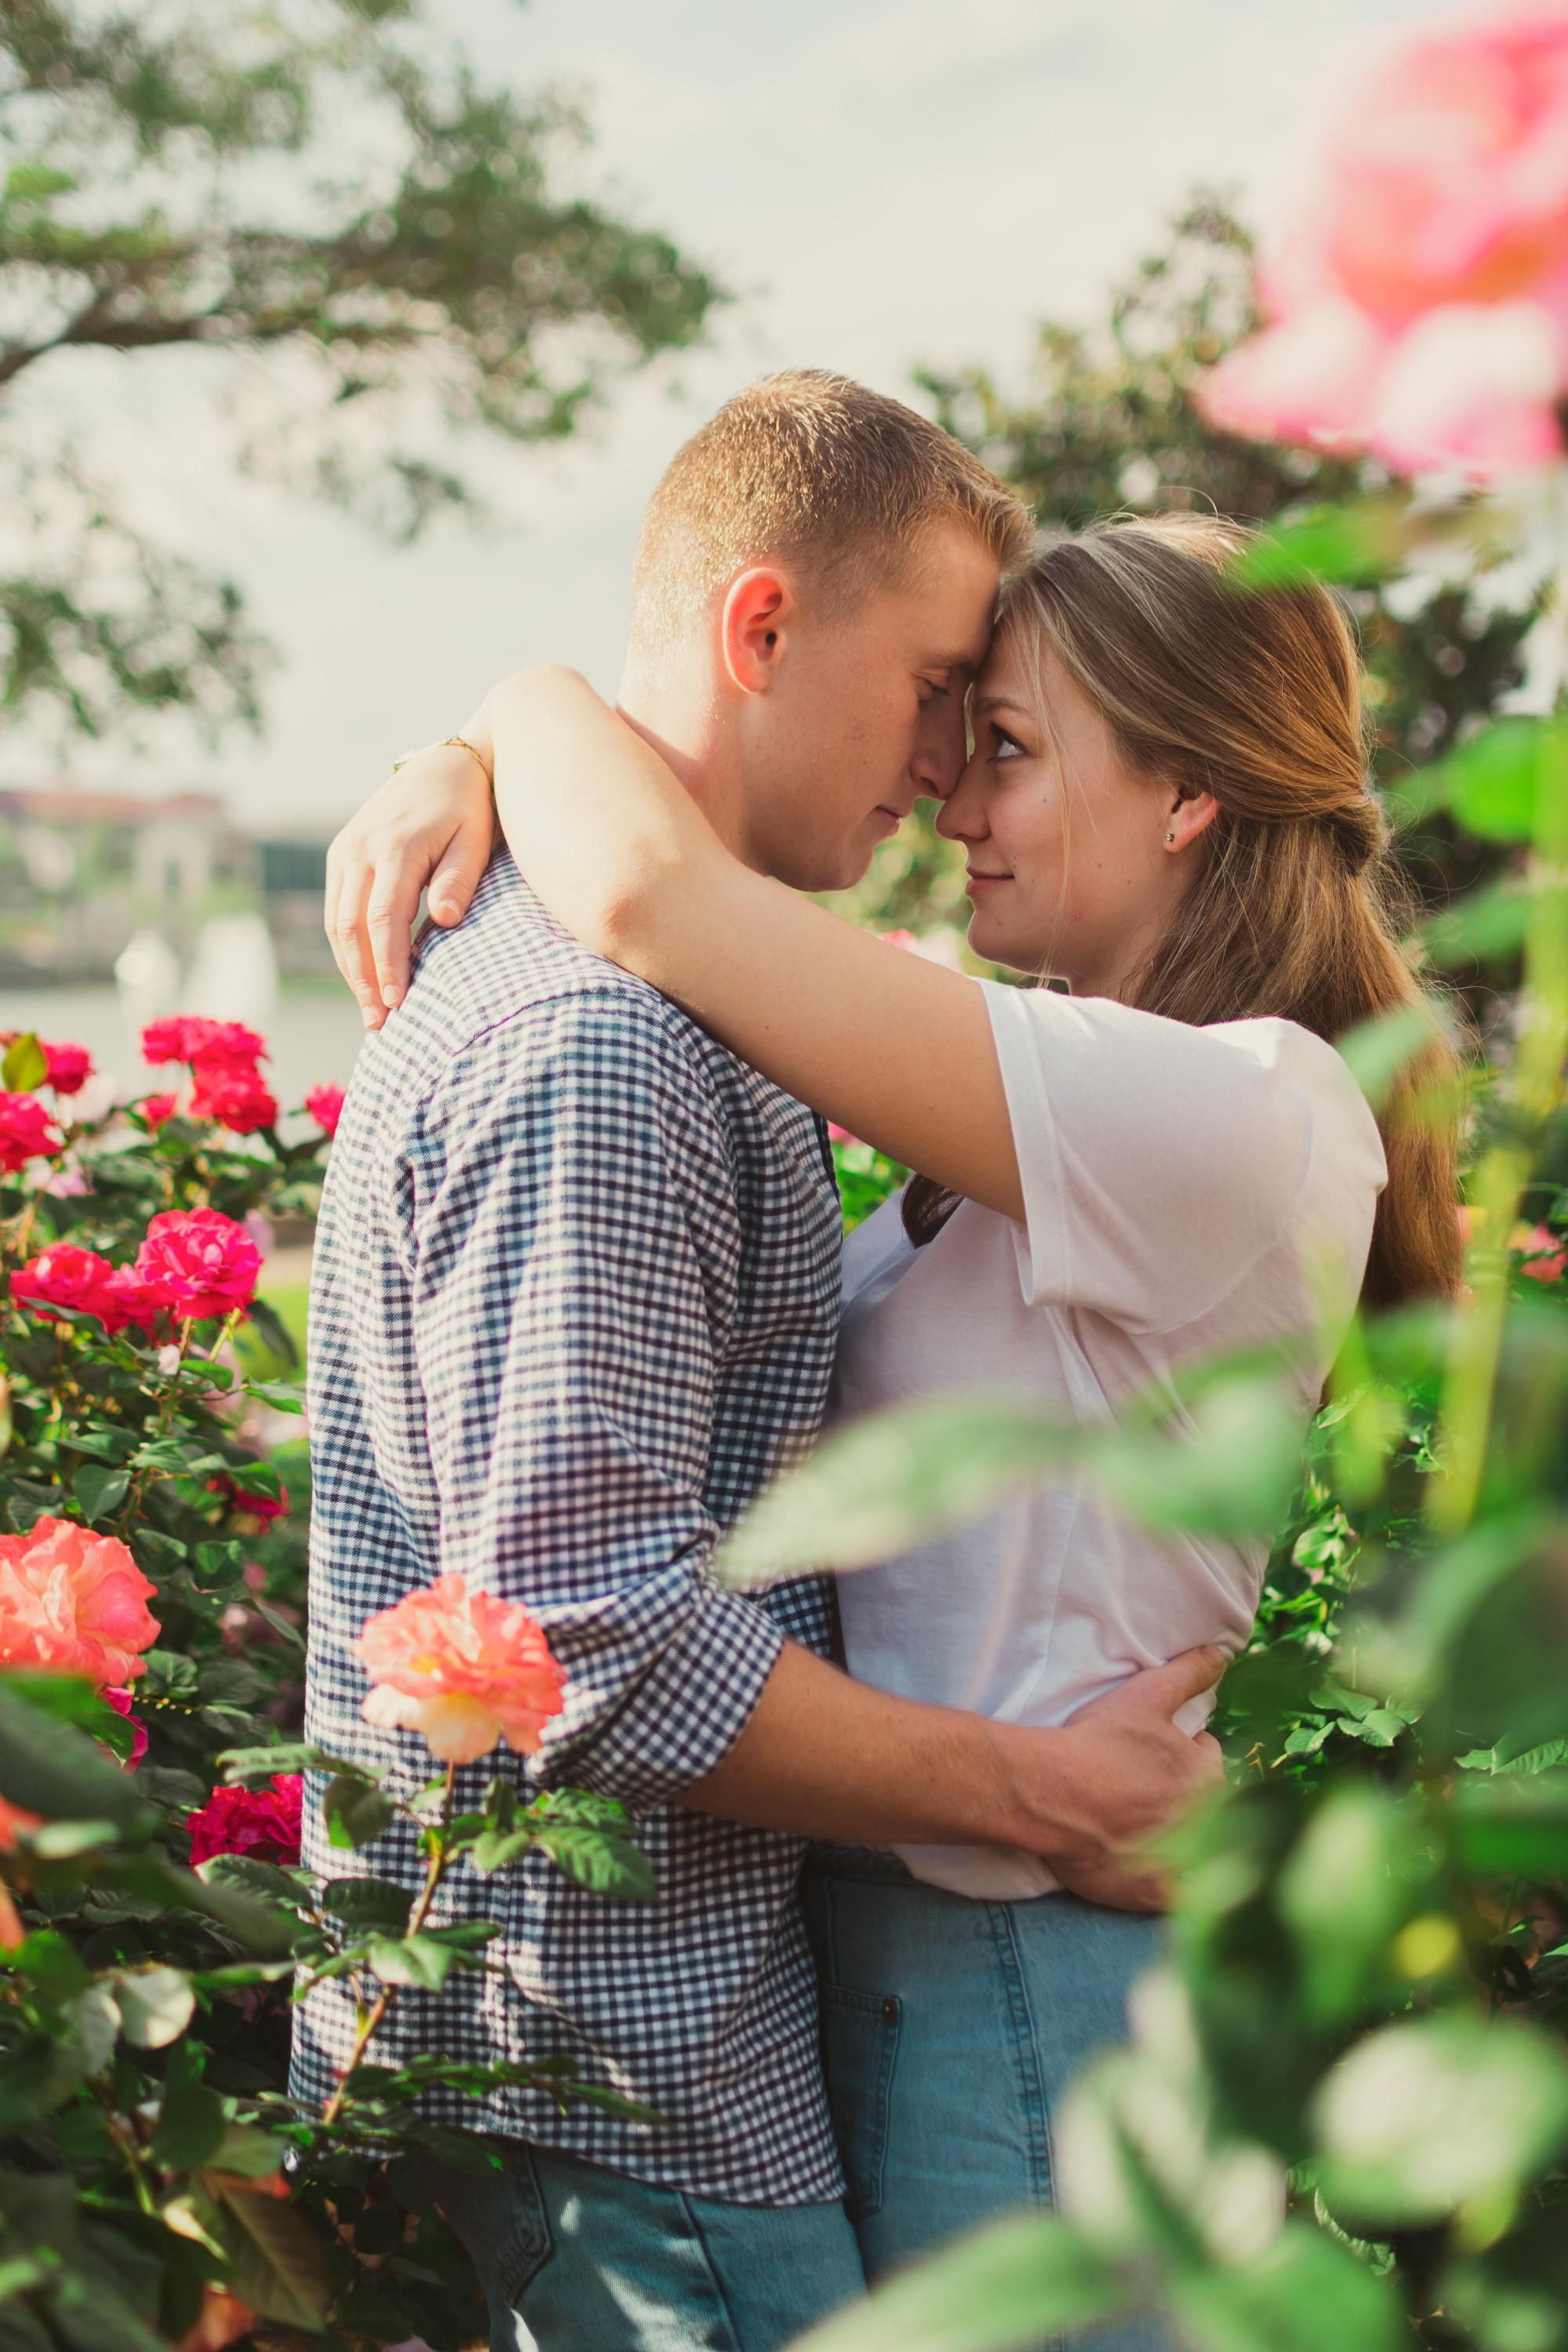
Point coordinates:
[[325, 1105], [258, 1507], [26, 1133], [129, 1296], [234, 1094], [69, 1066], [200, 1262], [262, 1822], [225, 1041], [155, 1110], [65, 1276], [171, 1039]]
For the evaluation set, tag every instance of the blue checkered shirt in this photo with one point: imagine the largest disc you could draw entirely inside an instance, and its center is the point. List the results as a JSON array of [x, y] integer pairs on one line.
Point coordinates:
[[574, 1301]]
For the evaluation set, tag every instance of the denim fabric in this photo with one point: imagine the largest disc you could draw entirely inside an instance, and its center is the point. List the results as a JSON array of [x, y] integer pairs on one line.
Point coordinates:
[[951, 2029], [575, 2258]]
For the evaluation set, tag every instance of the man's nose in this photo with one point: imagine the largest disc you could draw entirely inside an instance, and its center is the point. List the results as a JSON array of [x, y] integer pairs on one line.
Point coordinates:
[[939, 758]]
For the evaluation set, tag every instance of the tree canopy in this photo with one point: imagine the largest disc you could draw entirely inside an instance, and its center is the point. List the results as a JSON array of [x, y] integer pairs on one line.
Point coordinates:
[[315, 184]]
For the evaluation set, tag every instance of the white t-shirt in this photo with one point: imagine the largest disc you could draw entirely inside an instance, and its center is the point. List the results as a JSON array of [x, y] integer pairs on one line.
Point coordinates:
[[1179, 1187]]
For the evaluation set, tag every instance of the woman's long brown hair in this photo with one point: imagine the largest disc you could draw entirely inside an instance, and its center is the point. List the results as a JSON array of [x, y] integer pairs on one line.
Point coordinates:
[[1296, 908]]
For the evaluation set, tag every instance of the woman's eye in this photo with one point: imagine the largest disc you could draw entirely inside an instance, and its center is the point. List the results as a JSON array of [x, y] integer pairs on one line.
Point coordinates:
[[1007, 747]]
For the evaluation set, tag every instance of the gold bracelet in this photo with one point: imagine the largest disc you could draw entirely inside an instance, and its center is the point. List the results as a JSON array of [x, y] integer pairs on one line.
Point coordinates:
[[459, 742]]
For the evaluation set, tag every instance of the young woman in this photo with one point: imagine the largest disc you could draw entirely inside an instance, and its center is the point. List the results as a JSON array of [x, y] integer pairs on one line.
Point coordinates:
[[1165, 808]]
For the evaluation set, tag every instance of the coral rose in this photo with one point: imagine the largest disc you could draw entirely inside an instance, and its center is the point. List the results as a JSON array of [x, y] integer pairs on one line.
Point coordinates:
[[13, 1824], [201, 1262], [73, 1602], [325, 1105], [262, 1822], [69, 1066], [235, 1094], [463, 1669], [65, 1276], [1423, 310], [26, 1133]]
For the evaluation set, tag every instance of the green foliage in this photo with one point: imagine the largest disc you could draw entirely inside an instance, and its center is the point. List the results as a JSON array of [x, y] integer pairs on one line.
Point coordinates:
[[431, 278], [150, 2154]]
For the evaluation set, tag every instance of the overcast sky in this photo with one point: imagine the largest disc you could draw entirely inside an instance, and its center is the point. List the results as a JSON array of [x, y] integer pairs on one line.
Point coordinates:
[[883, 182]]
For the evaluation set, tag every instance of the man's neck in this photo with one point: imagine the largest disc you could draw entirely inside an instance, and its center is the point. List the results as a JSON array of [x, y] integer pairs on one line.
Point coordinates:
[[685, 724]]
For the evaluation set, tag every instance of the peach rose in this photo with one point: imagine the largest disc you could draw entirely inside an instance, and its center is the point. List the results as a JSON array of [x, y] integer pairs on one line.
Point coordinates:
[[1544, 1253], [13, 1822], [1421, 309], [73, 1602], [461, 1668]]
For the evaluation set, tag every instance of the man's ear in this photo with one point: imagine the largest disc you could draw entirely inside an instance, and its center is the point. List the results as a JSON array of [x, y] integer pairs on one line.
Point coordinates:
[[754, 622]]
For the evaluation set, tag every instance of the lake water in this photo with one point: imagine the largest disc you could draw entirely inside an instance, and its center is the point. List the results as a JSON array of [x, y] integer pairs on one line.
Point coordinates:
[[314, 1032]]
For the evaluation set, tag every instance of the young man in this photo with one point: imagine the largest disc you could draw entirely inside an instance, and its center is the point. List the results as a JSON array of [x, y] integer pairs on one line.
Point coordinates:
[[575, 1300]]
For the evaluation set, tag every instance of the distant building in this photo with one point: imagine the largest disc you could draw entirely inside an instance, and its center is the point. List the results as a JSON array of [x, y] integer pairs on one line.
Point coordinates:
[[80, 871]]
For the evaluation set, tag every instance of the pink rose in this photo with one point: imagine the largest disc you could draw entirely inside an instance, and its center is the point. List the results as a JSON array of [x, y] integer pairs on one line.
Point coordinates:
[[171, 1039], [156, 1111], [26, 1133], [69, 1066], [1545, 1252], [265, 1507], [200, 1261], [65, 1276], [225, 1041], [132, 1297], [1422, 311], [73, 1602], [262, 1822], [235, 1094], [120, 1700], [325, 1105], [463, 1669]]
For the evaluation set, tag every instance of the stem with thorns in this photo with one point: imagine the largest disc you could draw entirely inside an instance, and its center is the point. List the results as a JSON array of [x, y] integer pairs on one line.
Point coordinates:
[[372, 2017]]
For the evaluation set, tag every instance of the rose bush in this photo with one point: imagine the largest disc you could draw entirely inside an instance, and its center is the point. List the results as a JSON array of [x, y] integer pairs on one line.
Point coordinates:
[[158, 2187]]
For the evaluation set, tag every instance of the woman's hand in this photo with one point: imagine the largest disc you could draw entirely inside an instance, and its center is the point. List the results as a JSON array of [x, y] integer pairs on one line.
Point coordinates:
[[431, 822]]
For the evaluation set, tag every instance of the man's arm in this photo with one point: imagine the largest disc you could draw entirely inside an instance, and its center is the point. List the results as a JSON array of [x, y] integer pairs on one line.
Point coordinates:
[[577, 1252]]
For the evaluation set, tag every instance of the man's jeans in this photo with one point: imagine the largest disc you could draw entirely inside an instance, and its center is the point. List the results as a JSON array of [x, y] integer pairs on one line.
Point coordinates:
[[575, 2258]]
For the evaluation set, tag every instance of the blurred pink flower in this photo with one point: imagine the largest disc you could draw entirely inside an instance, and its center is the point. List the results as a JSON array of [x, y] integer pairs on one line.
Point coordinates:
[[189, 1037], [66, 1276], [263, 1822], [73, 1601], [265, 1507], [26, 1133], [156, 1111], [325, 1105], [119, 1699], [235, 1094], [461, 1668], [69, 1066], [1421, 309], [201, 1262], [1545, 1252]]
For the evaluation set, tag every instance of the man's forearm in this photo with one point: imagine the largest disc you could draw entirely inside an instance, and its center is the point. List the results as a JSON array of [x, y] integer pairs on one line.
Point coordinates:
[[830, 1757]]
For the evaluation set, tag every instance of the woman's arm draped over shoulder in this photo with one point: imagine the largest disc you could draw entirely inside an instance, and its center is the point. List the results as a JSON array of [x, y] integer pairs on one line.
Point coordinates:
[[894, 1048]]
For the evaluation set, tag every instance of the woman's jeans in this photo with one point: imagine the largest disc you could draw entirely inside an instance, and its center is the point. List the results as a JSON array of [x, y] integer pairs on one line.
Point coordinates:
[[951, 2029]]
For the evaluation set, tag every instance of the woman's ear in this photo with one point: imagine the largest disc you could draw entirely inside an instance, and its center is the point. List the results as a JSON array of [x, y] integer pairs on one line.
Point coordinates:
[[752, 626], [1188, 813]]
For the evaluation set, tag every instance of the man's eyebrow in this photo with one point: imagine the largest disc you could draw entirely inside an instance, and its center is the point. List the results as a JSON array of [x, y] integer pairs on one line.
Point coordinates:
[[965, 660]]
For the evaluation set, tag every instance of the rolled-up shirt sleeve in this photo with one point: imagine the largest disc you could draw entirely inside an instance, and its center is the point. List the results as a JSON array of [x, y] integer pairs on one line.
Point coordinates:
[[577, 1254]]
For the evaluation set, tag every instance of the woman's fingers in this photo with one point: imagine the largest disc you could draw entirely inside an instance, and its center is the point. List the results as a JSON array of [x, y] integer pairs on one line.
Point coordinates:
[[460, 865], [346, 930]]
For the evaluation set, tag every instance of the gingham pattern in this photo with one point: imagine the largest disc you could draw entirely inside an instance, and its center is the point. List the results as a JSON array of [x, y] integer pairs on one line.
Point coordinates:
[[576, 1296]]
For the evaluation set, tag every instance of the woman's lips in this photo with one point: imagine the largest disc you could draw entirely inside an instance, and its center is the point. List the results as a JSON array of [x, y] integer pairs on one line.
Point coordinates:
[[978, 884]]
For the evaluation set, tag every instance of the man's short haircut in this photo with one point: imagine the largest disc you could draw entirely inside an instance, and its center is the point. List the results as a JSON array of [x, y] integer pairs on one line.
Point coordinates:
[[814, 471]]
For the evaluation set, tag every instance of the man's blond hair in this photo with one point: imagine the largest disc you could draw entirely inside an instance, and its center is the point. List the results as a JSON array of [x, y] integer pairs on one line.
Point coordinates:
[[814, 471]]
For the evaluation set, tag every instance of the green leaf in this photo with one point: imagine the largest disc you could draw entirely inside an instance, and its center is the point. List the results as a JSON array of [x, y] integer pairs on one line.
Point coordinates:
[[1010, 2285], [279, 2263], [1499, 782], [1342, 544], [287, 1756], [872, 1488], [283, 1396], [593, 1858], [156, 2004], [1426, 2115], [418, 1960], [367, 1903], [1303, 2294], [1342, 1899], [267, 1881], [1379, 1052], [52, 1768], [25, 1065], [191, 2119], [100, 1490], [355, 1812]]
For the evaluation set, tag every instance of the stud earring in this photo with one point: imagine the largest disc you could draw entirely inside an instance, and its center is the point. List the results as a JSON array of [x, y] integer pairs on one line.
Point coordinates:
[[1169, 838]]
